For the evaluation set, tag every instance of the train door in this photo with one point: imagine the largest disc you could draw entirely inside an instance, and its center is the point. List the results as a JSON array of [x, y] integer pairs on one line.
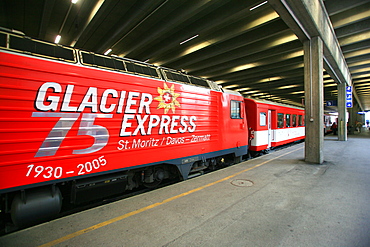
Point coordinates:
[[237, 129], [269, 131]]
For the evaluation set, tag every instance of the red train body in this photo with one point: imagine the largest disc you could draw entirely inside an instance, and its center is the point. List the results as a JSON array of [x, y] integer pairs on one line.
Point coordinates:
[[60, 121], [81, 126], [273, 124]]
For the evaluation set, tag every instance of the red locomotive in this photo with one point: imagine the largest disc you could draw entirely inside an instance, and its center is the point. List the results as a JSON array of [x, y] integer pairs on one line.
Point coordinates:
[[77, 126]]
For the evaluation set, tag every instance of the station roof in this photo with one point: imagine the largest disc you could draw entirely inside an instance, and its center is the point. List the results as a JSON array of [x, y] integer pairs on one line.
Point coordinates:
[[243, 45]]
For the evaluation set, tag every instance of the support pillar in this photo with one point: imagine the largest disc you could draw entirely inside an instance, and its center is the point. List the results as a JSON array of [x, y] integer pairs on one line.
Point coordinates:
[[342, 113], [314, 100], [352, 116]]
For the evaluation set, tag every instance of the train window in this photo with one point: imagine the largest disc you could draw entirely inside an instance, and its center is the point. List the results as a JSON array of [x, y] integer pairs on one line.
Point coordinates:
[[22, 44], [101, 61], [262, 118], [44, 49], [300, 120], [280, 120], [64, 53], [199, 82], [87, 58], [41, 48], [287, 124], [153, 72], [235, 109], [3, 39], [142, 69], [294, 120], [118, 64], [172, 76]]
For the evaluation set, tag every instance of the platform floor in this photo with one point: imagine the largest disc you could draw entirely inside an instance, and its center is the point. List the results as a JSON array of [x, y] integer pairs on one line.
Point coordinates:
[[273, 200]]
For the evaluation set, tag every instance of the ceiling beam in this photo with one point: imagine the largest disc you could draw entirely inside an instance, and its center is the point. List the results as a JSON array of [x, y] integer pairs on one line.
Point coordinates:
[[309, 18]]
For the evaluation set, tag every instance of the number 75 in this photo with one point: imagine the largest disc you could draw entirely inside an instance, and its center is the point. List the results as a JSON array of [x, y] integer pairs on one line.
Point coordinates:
[[66, 120]]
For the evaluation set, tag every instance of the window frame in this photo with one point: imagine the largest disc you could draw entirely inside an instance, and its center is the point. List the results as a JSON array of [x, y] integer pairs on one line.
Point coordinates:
[[236, 105], [300, 120], [288, 120], [265, 118], [282, 115], [294, 120]]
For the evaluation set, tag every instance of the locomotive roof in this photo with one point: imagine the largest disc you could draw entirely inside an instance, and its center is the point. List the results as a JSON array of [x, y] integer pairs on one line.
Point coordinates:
[[18, 42]]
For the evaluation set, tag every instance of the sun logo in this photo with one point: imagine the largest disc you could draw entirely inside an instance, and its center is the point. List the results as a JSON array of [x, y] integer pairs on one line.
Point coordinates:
[[167, 98]]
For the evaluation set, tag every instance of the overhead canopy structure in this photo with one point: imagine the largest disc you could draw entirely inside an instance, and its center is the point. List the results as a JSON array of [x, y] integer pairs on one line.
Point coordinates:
[[242, 45]]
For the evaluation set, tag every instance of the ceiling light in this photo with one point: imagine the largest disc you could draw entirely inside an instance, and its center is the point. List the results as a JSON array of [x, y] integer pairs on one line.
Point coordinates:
[[356, 53], [183, 42], [243, 67], [57, 39], [357, 84], [329, 80], [258, 5], [74, 1], [295, 54], [260, 20], [255, 91], [231, 86], [197, 47], [288, 86], [220, 82], [355, 71], [361, 76], [365, 62], [244, 89], [107, 52], [286, 39], [330, 85], [257, 94], [271, 79]]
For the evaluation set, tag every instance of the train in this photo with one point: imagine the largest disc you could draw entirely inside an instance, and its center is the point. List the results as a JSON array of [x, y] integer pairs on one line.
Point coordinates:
[[77, 126], [329, 119], [272, 124]]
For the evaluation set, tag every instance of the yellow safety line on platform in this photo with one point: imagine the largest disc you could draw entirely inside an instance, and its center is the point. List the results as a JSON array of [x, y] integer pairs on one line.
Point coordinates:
[[108, 222]]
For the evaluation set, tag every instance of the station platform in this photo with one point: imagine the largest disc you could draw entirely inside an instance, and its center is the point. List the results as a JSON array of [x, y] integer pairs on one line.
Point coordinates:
[[273, 200]]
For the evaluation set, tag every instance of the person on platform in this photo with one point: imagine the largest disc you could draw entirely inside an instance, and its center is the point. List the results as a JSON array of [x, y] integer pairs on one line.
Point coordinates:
[[334, 128]]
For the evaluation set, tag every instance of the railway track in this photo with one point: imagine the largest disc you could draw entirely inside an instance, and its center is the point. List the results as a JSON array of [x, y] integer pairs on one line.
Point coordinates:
[[69, 209]]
